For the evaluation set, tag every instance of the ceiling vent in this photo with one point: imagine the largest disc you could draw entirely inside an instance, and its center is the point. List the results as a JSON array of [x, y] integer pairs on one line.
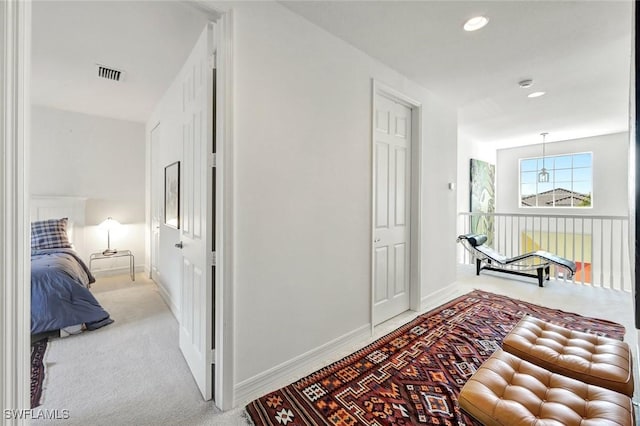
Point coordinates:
[[109, 73]]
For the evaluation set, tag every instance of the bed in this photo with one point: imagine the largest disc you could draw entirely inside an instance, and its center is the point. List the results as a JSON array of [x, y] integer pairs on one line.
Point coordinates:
[[60, 280]]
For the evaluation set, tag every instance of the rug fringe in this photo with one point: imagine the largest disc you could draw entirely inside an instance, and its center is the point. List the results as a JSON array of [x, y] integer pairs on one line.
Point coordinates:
[[245, 415], [45, 371]]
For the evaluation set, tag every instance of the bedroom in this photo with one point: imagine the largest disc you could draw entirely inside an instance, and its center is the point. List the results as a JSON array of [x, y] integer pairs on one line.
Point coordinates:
[[88, 163], [439, 264]]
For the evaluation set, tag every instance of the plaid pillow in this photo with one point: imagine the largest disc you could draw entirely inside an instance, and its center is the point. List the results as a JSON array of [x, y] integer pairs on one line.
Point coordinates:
[[50, 233]]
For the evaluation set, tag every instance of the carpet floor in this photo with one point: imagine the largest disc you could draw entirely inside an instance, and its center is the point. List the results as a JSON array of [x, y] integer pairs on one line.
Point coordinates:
[[414, 374], [129, 373], [38, 350]]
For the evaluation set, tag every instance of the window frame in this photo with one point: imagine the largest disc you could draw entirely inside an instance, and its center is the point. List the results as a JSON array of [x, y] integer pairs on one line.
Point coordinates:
[[520, 160]]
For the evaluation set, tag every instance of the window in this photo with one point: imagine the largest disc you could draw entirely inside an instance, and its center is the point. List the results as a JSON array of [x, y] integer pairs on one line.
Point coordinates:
[[570, 181]]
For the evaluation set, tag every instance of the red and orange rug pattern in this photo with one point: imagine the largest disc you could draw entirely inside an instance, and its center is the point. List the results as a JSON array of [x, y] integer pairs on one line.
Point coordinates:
[[413, 375], [38, 350]]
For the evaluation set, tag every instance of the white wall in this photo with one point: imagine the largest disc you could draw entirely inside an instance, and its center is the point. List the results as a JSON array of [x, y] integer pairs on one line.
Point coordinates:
[[468, 148], [610, 175], [102, 159], [166, 116], [302, 187], [302, 148]]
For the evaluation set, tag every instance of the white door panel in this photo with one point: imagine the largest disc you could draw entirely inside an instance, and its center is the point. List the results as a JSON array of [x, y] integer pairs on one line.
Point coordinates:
[[392, 178], [196, 304], [382, 177]]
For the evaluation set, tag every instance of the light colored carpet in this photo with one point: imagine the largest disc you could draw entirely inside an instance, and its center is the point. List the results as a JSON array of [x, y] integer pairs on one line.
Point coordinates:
[[130, 372]]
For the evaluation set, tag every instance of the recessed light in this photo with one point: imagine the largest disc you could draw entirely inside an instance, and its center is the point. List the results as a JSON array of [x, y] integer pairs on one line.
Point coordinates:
[[536, 94], [475, 23]]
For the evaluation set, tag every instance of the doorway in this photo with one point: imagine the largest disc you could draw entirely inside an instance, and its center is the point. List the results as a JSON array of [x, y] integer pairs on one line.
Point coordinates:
[[396, 204], [18, 17]]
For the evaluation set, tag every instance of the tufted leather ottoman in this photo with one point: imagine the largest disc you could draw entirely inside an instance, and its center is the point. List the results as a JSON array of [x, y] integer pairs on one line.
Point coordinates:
[[508, 391], [593, 359]]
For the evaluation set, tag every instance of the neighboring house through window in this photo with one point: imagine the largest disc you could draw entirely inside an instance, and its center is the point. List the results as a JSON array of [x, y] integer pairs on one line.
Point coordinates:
[[570, 181]]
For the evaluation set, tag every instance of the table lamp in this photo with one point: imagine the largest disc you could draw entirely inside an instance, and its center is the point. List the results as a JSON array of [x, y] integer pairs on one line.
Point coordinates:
[[109, 224]]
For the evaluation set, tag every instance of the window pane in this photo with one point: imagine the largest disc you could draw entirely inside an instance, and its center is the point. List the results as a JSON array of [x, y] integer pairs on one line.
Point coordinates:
[[528, 189], [528, 165], [544, 187], [563, 176], [528, 177], [582, 160], [547, 163], [563, 162], [528, 202], [583, 202], [582, 174], [582, 187], [563, 185]]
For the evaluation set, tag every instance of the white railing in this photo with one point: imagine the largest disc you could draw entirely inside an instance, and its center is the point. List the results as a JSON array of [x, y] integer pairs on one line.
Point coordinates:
[[599, 245]]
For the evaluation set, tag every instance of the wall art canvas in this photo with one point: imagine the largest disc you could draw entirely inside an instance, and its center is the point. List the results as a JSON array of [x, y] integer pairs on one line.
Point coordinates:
[[482, 188]]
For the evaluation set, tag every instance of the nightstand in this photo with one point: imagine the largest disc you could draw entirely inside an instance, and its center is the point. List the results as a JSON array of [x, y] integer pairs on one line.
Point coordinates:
[[119, 253]]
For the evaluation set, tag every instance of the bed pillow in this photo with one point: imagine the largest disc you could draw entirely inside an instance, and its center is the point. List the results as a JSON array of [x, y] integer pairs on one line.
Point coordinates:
[[47, 234]]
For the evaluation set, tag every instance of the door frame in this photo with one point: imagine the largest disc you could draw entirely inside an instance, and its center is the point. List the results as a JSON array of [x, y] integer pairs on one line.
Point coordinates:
[[224, 303], [15, 266], [415, 269]]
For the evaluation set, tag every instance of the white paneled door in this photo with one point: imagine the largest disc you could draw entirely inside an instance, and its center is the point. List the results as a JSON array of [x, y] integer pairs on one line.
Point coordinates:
[[196, 298], [392, 197]]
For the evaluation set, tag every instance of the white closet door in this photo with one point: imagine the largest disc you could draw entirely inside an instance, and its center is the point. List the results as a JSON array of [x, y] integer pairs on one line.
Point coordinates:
[[392, 179]]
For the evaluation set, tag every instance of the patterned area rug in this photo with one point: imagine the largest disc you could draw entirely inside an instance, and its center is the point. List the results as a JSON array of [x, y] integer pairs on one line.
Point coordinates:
[[413, 375], [37, 371]]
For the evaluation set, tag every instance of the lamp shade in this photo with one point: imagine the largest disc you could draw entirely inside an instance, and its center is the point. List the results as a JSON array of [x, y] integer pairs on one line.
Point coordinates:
[[109, 224], [543, 176]]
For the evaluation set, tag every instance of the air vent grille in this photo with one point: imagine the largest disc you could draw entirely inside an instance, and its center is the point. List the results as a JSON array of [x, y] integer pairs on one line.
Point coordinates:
[[109, 73]]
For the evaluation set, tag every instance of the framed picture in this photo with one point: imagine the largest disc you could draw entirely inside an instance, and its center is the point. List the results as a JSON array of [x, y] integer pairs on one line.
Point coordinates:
[[172, 195]]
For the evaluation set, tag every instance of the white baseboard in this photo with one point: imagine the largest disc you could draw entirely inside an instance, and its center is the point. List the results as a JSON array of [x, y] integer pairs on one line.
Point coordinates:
[[281, 375], [167, 299], [288, 371], [439, 297], [120, 270]]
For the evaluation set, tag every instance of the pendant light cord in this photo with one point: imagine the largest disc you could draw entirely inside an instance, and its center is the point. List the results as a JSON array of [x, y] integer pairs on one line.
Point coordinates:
[[544, 137]]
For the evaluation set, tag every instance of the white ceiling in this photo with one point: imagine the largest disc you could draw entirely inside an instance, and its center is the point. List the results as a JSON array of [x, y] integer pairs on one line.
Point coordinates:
[[578, 52], [148, 40]]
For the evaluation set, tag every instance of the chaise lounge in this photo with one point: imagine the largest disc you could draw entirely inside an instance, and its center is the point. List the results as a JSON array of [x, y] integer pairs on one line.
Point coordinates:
[[489, 259]]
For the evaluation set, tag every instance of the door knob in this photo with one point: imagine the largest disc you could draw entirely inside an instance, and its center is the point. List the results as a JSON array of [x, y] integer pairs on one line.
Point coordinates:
[[179, 245], [377, 240]]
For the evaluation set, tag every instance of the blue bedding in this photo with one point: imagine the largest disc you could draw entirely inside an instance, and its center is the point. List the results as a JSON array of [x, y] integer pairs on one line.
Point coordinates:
[[60, 296]]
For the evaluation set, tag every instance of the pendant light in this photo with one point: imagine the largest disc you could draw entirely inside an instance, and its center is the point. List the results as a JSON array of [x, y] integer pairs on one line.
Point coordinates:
[[543, 176]]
